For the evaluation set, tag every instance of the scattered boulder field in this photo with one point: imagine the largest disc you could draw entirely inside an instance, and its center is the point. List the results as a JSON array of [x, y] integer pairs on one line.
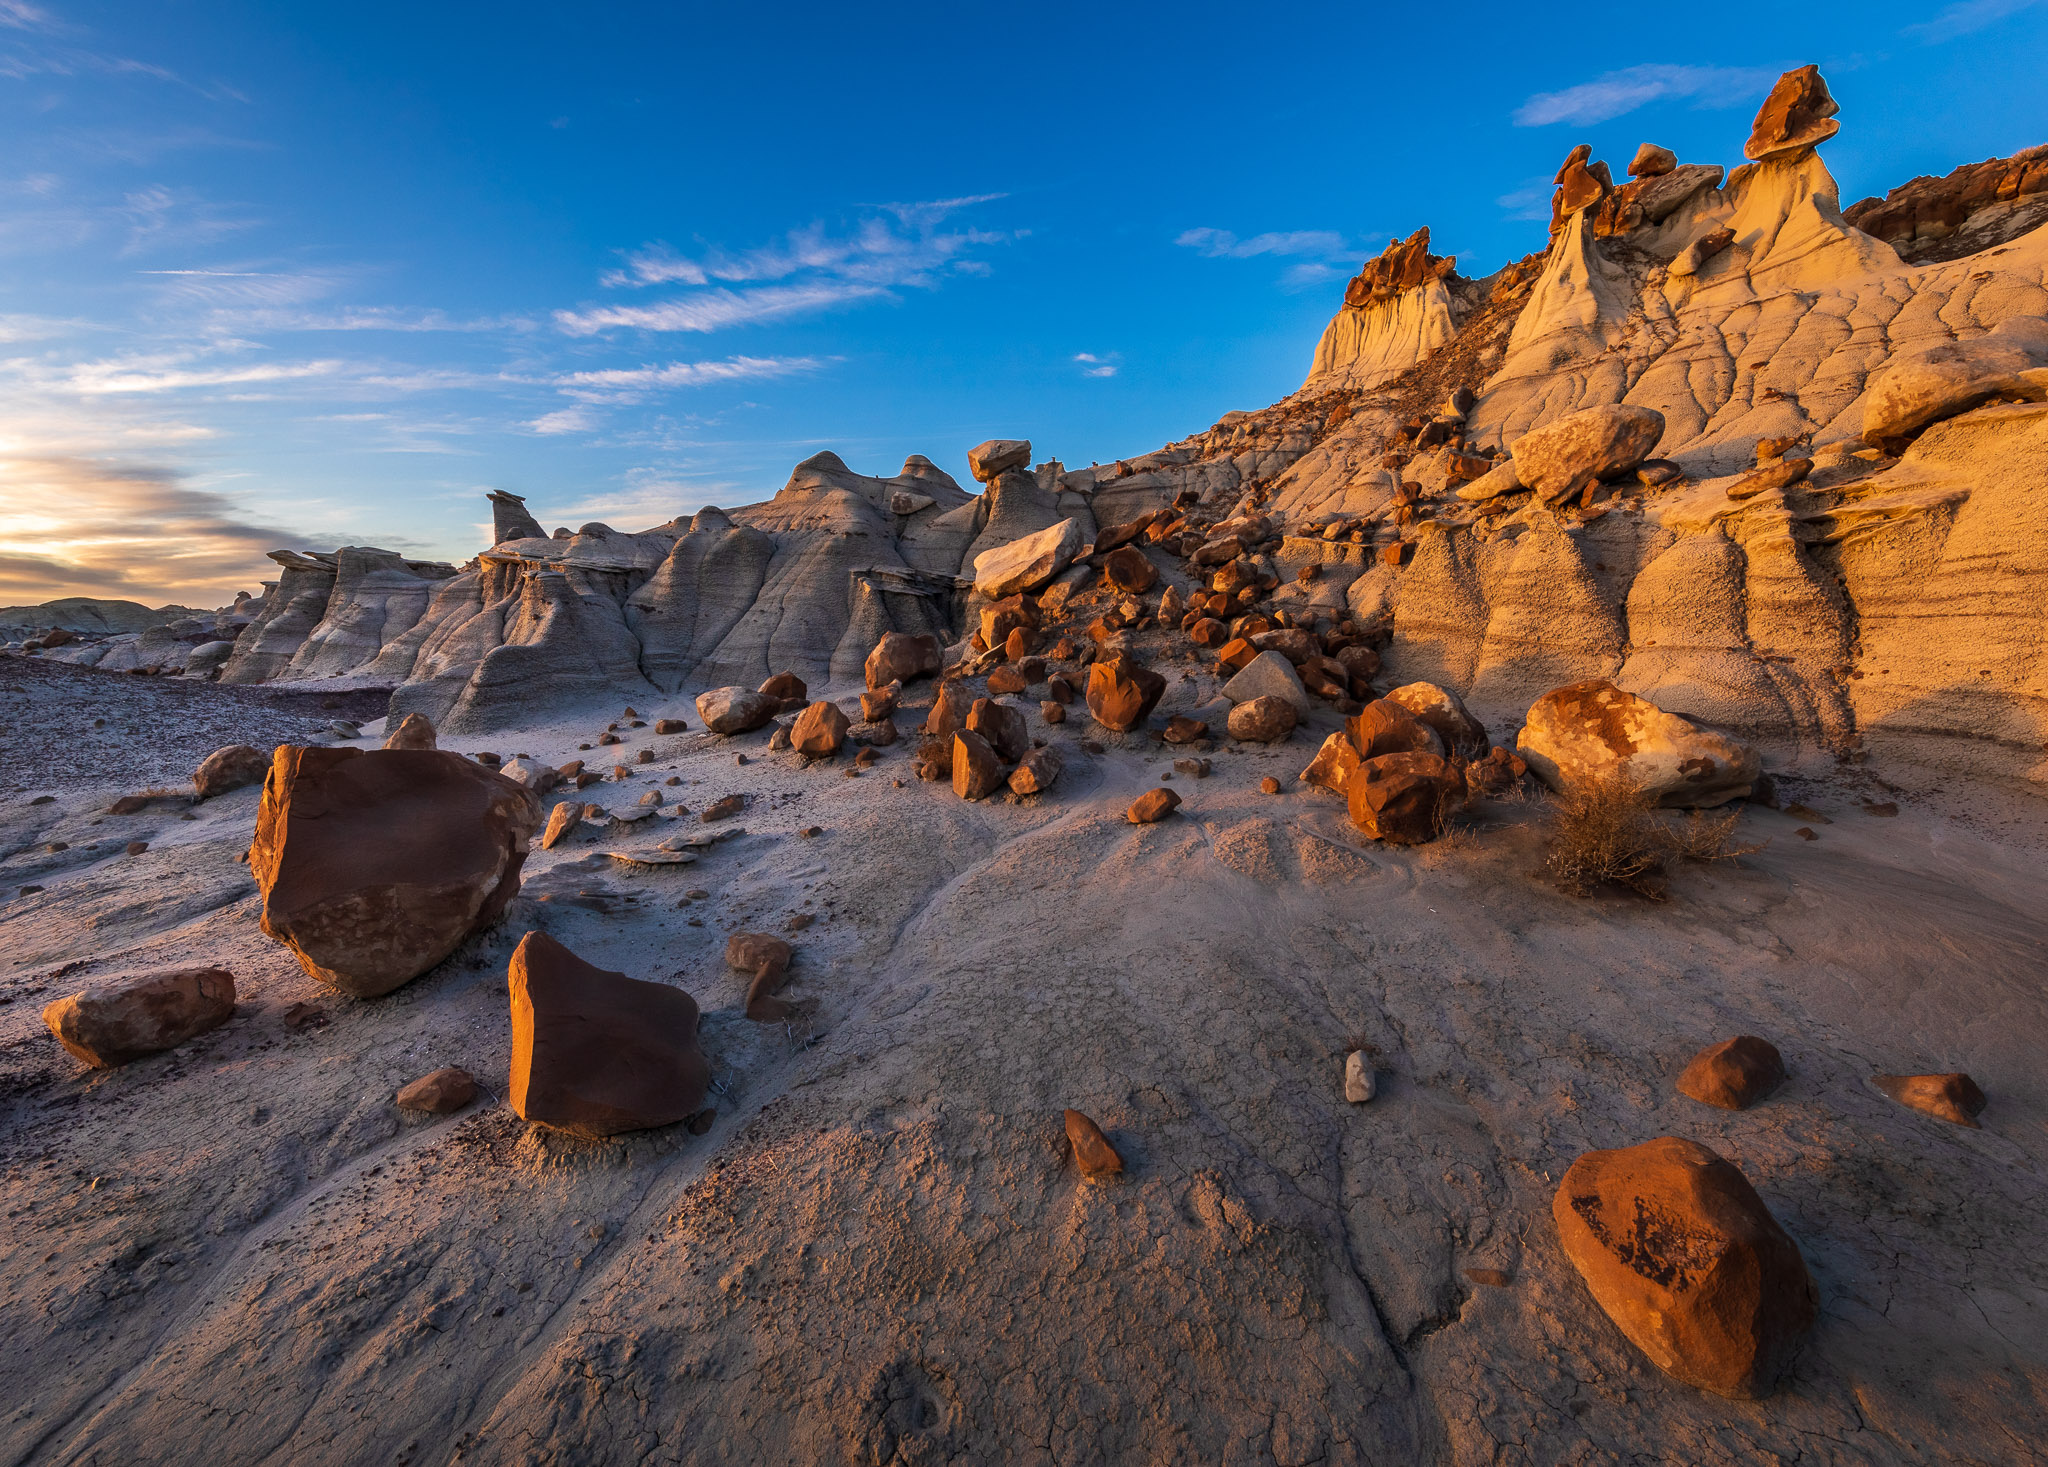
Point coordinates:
[[1154, 962]]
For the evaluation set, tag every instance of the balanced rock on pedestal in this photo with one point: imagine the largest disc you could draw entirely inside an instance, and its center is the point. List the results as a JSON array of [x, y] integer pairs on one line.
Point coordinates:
[[1684, 1257], [595, 1053], [116, 1020], [375, 866]]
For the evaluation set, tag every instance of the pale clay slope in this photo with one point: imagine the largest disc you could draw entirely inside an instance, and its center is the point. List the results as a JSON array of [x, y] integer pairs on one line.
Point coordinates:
[[879, 1255]]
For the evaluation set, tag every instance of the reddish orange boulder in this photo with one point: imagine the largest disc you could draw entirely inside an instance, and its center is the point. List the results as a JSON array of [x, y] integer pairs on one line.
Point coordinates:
[[1734, 1074], [977, 772], [899, 657], [1152, 807], [375, 866], [116, 1020], [819, 730], [1003, 727], [1121, 692], [949, 712], [595, 1053], [1954, 1098], [442, 1093], [1130, 570], [787, 687], [1684, 1257], [1403, 798], [1092, 1152]]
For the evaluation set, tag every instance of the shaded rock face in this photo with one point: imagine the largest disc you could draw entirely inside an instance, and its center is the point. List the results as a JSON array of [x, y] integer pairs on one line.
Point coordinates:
[[374, 867], [596, 1053], [1593, 731], [901, 658], [121, 1019], [1403, 798], [229, 769], [1678, 1249], [1972, 208], [441, 1093]]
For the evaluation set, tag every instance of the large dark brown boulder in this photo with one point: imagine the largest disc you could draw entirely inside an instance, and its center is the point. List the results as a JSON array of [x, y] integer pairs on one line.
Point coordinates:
[[375, 866], [116, 1020], [1734, 1074], [1385, 727], [1403, 798], [594, 1052], [1122, 692], [1684, 1257], [899, 657], [1130, 570], [1003, 726]]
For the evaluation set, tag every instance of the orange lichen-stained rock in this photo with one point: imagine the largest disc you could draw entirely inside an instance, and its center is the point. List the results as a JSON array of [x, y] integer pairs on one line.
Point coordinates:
[[595, 1053], [1403, 798], [1333, 765], [375, 866], [1400, 267], [1684, 1257], [1092, 1152], [1121, 692], [1594, 731]]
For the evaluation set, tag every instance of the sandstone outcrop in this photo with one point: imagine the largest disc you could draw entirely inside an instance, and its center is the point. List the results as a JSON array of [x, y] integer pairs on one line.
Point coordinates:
[[374, 867], [1679, 1251], [595, 1053], [116, 1020], [1593, 731], [1562, 458], [1935, 382], [1028, 563]]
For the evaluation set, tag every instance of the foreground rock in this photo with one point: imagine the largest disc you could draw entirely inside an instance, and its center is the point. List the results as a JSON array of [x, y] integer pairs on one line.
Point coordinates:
[[1684, 1257], [1734, 1074], [1593, 731], [1262, 720], [1269, 675], [820, 730], [735, 710], [977, 772], [1403, 799], [227, 769], [1954, 1097], [1152, 807], [120, 1019], [376, 866], [765, 959], [414, 731], [1443, 712], [1092, 1152], [1561, 458], [595, 1053], [1122, 692], [1037, 773], [441, 1093]]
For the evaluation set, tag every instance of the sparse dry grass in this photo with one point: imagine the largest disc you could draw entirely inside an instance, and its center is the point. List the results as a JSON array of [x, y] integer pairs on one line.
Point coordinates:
[[1608, 832]]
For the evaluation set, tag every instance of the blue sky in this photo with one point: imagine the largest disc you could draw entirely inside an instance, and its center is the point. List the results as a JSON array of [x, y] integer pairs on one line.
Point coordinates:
[[311, 275]]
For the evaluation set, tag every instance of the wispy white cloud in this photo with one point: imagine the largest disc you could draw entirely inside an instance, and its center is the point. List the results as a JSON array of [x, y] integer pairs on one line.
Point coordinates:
[[717, 309], [16, 15], [579, 419], [615, 381], [1221, 244], [809, 269], [159, 217], [1622, 91], [1098, 366], [1965, 18], [133, 375]]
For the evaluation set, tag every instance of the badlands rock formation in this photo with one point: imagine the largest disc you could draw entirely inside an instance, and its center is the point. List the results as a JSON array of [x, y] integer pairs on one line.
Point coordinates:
[[1174, 1052]]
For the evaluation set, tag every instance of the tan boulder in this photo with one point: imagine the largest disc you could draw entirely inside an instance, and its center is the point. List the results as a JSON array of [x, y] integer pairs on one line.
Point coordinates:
[[1677, 1248], [1092, 1152], [596, 1053], [988, 460], [1171, 607], [735, 710], [977, 772], [374, 867], [1563, 457], [900, 658], [1921, 387], [1269, 675], [414, 731], [1798, 114], [1403, 798], [229, 769], [1734, 1074], [1263, 720], [1153, 806], [1594, 731], [1037, 772], [1122, 692], [1333, 765], [819, 730], [1444, 712], [1027, 563], [115, 1020], [1954, 1098], [878, 703], [765, 959], [441, 1093], [786, 688], [1003, 726], [562, 823]]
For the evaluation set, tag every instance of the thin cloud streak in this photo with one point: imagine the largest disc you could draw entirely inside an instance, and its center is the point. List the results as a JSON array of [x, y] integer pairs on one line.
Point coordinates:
[[1221, 244], [718, 309], [1623, 91], [1965, 18]]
